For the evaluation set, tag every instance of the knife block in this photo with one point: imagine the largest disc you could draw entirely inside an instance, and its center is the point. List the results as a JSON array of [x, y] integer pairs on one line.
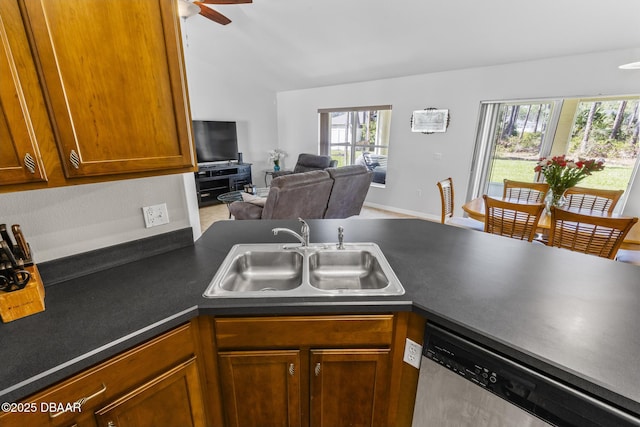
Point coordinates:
[[25, 302]]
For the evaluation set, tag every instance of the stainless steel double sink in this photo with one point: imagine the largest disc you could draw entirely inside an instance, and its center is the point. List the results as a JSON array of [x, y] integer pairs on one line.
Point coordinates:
[[280, 270]]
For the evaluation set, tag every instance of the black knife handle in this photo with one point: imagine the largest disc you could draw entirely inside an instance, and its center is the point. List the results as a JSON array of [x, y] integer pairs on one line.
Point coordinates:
[[5, 236], [9, 254]]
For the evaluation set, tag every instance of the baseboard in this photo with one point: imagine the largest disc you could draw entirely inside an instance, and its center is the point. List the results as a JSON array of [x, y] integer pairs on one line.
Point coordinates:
[[417, 214]]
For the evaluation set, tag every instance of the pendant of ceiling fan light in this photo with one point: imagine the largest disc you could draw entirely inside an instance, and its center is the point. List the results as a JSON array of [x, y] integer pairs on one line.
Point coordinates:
[[187, 9], [630, 66]]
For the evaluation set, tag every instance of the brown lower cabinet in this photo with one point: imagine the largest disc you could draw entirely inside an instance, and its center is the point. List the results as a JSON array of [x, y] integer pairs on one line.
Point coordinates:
[[263, 388], [156, 383], [349, 387], [294, 371], [173, 398], [318, 371]]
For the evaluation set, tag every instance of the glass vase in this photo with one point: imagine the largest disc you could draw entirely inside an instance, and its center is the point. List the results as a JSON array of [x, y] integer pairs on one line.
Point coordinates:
[[276, 167], [554, 198]]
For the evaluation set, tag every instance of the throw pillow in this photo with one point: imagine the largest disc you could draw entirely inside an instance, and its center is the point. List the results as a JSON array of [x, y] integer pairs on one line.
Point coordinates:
[[253, 199]]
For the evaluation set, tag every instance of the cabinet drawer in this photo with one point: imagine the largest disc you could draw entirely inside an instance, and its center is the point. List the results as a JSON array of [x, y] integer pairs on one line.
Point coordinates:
[[102, 383], [302, 331], [173, 398]]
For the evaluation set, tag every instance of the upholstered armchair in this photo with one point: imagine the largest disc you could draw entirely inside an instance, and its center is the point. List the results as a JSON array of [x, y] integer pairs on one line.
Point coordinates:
[[301, 195], [309, 162], [350, 187]]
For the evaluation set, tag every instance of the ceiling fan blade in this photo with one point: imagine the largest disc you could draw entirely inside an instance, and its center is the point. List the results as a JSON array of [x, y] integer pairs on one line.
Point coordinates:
[[209, 13], [226, 1]]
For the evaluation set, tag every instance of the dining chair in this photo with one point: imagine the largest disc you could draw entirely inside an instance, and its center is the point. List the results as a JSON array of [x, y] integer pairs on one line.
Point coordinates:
[[590, 234], [510, 219], [592, 199], [446, 197], [530, 192]]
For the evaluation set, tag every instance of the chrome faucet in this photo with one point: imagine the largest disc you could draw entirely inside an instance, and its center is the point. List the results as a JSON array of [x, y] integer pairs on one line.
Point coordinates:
[[304, 238]]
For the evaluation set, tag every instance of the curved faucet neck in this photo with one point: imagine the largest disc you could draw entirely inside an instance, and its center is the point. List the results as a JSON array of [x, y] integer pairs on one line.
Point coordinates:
[[293, 233], [304, 238]]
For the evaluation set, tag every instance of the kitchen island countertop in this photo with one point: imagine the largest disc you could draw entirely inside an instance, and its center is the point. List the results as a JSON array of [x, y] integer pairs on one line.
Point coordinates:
[[568, 316]]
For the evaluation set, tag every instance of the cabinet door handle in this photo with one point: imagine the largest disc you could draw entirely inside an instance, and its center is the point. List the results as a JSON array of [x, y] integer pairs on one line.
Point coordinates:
[[80, 402], [29, 163], [292, 369], [74, 159], [317, 369], [111, 424]]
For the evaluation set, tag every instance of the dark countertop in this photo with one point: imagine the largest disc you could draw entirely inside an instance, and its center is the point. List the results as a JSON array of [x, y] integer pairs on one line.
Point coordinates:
[[571, 316]]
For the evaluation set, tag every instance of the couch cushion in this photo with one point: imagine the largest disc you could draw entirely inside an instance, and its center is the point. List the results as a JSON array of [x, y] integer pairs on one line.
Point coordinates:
[[254, 199], [309, 162], [350, 187], [245, 210], [300, 195]]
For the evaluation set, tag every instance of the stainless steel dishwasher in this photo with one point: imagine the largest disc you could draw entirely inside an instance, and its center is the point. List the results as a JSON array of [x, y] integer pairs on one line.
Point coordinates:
[[463, 384]]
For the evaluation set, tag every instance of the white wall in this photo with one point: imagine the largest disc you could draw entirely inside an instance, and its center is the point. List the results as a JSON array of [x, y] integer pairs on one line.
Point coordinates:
[[215, 97], [413, 168], [64, 221]]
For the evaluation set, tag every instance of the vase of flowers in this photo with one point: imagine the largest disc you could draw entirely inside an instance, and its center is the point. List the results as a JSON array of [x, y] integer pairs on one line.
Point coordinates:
[[561, 174], [275, 156]]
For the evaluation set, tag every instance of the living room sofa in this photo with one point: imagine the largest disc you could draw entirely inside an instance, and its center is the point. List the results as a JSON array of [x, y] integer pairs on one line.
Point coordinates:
[[350, 188], [309, 162], [330, 193]]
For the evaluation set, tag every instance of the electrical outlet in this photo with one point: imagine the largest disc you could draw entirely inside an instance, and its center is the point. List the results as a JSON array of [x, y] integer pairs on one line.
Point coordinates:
[[155, 215], [412, 353], [437, 156], [419, 191]]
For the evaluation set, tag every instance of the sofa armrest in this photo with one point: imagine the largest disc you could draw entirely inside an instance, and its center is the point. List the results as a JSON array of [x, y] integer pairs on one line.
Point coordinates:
[[245, 210]]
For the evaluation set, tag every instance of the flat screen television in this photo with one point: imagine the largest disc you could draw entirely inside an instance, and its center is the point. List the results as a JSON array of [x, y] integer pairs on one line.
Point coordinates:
[[216, 141]]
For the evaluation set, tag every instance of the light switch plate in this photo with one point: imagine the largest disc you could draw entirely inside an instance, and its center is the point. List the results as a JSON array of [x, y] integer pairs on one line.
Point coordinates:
[[412, 353], [155, 215]]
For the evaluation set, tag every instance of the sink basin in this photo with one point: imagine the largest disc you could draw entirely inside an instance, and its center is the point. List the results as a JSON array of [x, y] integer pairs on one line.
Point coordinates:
[[277, 270], [346, 270], [260, 271]]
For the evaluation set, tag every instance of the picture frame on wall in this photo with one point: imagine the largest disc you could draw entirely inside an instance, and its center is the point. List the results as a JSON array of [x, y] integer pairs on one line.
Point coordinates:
[[430, 120]]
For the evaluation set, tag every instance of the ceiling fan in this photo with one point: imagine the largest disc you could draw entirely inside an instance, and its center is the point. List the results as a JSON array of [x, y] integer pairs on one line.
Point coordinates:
[[188, 8]]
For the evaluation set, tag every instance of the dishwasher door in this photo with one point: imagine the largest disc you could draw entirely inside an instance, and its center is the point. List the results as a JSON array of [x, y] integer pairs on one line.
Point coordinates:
[[445, 399], [462, 383]]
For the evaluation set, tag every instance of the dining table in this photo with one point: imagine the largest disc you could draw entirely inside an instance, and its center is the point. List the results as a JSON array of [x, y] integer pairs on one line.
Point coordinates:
[[476, 210]]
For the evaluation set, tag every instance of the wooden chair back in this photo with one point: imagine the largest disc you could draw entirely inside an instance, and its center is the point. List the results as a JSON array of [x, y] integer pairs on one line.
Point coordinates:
[[515, 220], [589, 234], [446, 197], [530, 192], [592, 199]]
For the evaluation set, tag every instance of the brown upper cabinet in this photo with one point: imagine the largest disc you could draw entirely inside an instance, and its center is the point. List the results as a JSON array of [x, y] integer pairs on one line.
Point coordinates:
[[20, 159], [113, 81]]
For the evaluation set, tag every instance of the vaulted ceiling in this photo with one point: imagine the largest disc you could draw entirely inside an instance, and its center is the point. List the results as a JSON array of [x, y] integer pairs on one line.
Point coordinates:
[[295, 44]]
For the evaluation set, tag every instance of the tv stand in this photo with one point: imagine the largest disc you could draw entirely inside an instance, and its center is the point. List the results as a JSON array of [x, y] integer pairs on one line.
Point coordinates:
[[213, 180]]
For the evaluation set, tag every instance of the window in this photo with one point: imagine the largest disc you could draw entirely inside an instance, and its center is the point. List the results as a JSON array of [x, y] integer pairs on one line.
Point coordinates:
[[358, 135], [512, 136]]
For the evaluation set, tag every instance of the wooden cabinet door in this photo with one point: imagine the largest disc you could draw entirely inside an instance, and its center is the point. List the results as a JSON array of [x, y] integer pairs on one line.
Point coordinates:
[[261, 388], [171, 399], [349, 387], [20, 160], [115, 82]]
